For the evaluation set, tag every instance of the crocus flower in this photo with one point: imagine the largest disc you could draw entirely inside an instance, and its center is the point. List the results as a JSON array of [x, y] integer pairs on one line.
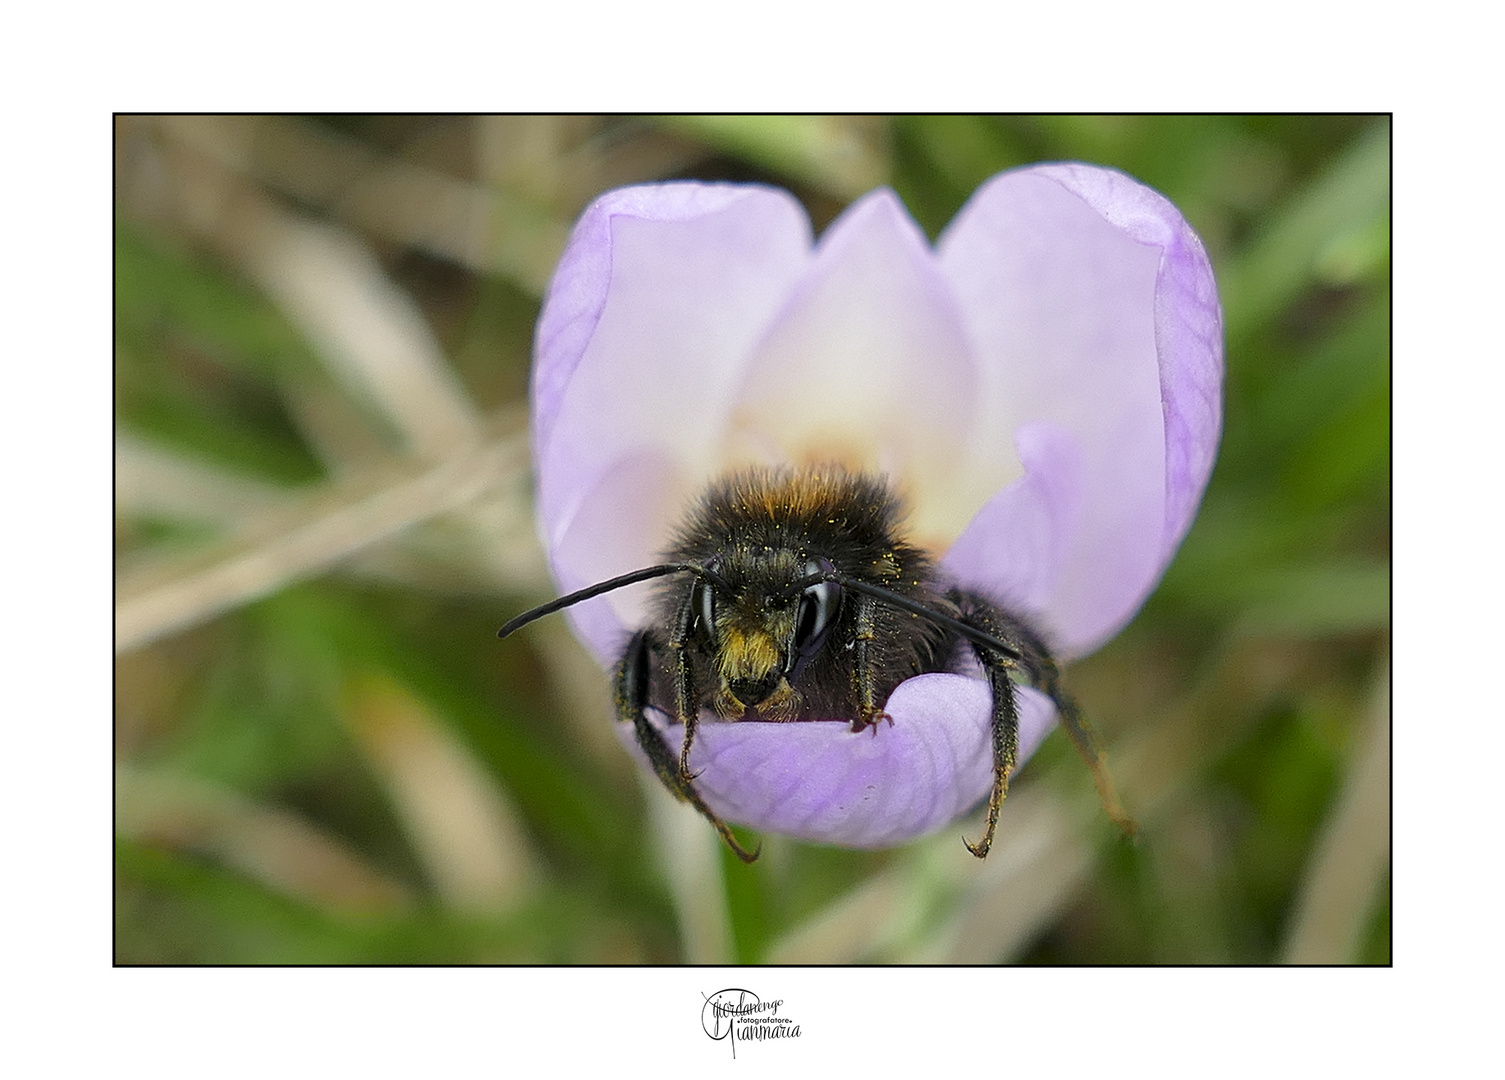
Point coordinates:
[[1043, 386]]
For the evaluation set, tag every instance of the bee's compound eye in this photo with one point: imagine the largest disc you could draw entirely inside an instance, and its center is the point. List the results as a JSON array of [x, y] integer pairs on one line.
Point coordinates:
[[705, 606], [819, 604]]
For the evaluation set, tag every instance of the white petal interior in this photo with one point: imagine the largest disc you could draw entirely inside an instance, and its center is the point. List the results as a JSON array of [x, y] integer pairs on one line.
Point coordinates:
[[868, 365], [1060, 304]]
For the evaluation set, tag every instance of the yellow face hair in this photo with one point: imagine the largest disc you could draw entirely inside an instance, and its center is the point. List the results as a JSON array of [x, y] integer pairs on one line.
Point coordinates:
[[746, 656]]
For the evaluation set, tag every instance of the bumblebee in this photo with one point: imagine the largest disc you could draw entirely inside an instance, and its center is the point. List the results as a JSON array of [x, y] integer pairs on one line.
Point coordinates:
[[796, 597]]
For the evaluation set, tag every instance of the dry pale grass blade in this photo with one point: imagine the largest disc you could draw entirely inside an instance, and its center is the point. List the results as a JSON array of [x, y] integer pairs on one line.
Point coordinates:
[[1000, 917], [997, 905], [1039, 867], [276, 847], [690, 855], [486, 229], [490, 548], [564, 162], [1154, 769], [395, 521], [368, 332], [891, 917], [152, 481], [527, 154], [309, 537], [457, 555], [338, 430], [845, 156], [845, 930], [1043, 853], [374, 337], [1349, 861], [461, 826]]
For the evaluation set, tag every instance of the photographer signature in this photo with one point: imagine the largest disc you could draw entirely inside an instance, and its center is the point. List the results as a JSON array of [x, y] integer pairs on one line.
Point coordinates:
[[740, 1015]]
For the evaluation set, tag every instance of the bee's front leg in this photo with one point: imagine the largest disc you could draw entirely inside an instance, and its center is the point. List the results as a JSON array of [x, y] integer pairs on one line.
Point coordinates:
[[686, 709], [634, 680], [869, 712]]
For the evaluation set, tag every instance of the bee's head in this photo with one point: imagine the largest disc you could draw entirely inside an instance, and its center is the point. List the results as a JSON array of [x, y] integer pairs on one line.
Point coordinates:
[[763, 616]]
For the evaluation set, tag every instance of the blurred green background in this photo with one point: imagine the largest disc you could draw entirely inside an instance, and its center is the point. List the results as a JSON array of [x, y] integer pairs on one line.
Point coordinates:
[[323, 754]]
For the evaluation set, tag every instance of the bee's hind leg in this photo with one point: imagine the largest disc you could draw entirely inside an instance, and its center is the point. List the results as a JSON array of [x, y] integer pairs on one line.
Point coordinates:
[[633, 684], [1048, 679]]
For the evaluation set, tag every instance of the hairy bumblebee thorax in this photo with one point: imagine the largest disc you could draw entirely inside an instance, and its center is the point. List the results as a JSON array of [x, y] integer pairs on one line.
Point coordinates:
[[759, 522]]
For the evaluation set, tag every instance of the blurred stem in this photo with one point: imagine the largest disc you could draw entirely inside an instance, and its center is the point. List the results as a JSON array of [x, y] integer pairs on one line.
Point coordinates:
[[461, 825], [842, 931], [275, 846], [690, 854], [1353, 851]]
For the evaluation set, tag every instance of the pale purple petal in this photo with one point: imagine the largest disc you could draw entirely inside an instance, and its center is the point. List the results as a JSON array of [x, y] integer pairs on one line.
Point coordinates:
[[616, 526], [821, 781], [1017, 543], [1091, 306], [660, 295], [1188, 332]]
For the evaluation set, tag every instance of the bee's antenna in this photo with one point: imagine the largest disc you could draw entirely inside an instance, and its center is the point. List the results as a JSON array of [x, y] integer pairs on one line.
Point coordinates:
[[615, 583], [878, 592]]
